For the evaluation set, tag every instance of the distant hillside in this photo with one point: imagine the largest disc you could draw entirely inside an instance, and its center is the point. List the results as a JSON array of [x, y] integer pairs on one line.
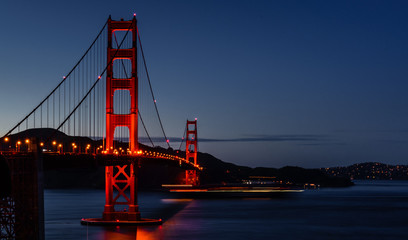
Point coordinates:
[[370, 170], [87, 173], [217, 171]]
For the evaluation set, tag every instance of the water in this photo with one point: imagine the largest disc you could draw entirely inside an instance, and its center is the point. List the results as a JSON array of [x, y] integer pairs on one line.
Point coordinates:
[[369, 210]]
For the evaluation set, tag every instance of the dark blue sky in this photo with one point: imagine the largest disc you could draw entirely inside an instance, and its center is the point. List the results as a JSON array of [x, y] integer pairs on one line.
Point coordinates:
[[273, 83]]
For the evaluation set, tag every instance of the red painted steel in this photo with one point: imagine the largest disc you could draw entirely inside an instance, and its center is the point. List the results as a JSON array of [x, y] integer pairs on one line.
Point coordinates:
[[191, 140], [121, 178]]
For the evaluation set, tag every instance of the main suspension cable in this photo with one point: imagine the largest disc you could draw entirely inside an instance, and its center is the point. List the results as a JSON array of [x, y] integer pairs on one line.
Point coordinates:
[[63, 80], [93, 86], [184, 137], [151, 89], [138, 111]]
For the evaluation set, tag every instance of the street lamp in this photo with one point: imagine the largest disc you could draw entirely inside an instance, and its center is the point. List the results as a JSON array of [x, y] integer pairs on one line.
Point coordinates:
[[87, 148], [18, 146], [6, 139], [27, 141], [54, 143]]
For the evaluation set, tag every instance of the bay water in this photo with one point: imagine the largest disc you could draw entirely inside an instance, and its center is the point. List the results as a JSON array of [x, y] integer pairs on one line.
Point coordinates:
[[369, 210]]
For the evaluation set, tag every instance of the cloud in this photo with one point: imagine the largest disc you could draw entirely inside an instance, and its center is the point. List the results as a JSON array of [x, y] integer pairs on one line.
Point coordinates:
[[323, 144], [257, 138], [370, 131]]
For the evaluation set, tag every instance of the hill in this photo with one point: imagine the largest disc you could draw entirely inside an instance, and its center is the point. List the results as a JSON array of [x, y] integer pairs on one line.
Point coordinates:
[[370, 170], [88, 173]]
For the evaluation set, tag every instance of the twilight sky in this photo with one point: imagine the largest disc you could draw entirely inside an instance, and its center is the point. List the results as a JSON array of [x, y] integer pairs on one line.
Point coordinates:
[[272, 83]]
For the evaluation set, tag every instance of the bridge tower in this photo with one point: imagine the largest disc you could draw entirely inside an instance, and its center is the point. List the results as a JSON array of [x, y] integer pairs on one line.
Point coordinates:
[[121, 178], [191, 151]]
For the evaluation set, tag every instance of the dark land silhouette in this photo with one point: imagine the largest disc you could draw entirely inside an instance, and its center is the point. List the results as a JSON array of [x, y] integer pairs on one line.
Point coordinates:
[[88, 173], [370, 171]]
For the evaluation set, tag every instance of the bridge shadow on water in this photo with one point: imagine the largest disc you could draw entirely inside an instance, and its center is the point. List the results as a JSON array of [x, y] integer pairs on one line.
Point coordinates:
[[170, 208], [176, 213]]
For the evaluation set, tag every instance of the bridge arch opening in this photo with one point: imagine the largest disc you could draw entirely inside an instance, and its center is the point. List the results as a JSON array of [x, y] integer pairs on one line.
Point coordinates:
[[121, 102], [121, 140], [122, 68], [118, 36]]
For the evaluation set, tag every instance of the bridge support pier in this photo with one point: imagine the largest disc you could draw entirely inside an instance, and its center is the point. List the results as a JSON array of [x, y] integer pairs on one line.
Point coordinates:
[[120, 181], [121, 189], [192, 178], [22, 201]]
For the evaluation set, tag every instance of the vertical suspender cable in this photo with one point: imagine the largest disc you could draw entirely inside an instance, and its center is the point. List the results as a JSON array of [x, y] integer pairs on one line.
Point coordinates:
[[151, 89], [138, 111], [90, 90]]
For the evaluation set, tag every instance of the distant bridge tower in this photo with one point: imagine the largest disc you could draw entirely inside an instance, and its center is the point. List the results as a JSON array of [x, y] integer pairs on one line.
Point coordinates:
[[191, 151], [121, 178]]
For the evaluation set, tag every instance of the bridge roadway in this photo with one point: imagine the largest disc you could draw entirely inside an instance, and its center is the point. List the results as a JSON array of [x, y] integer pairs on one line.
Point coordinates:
[[102, 159]]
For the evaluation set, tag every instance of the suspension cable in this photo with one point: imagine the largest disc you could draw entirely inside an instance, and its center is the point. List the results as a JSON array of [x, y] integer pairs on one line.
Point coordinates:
[[138, 111], [63, 80], [147, 133], [183, 138], [93, 86], [151, 89]]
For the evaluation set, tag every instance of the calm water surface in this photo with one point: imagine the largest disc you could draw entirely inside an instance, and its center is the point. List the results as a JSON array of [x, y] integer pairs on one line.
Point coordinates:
[[369, 210]]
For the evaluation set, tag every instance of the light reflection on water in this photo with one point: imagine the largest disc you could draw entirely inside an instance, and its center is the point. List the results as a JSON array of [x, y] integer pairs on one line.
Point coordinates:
[[369, 210]]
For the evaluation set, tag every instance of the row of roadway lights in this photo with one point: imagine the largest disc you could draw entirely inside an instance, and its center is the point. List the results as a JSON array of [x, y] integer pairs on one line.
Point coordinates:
[[148, 153], [59, 147], [75, 148], [18, 143]]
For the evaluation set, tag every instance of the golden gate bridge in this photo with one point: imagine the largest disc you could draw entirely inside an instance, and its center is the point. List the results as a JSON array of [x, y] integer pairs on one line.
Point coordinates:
[[104, 108]]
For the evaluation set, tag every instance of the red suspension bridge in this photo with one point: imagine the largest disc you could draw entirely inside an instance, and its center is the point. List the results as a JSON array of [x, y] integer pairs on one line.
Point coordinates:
[[105, 108]]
